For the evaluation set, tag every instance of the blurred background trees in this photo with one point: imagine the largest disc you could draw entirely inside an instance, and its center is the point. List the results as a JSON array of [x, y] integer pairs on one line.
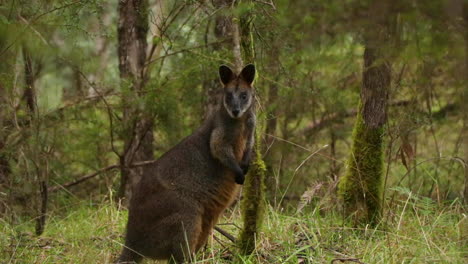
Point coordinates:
[[96, 86]]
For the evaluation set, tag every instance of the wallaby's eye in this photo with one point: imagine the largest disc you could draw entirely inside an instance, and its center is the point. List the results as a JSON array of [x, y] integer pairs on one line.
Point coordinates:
[[228, 96], [243, 96]]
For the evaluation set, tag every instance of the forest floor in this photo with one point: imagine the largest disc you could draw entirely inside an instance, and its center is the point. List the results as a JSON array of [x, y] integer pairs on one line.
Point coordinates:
[[417, 230]]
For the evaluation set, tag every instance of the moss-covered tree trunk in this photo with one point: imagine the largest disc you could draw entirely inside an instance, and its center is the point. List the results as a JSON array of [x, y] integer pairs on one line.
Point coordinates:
[[361, 186], [252, 205], [138, 124]]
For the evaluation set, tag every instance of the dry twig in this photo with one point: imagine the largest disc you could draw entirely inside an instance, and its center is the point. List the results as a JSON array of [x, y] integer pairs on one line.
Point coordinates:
[[356, 260], [226, 234]]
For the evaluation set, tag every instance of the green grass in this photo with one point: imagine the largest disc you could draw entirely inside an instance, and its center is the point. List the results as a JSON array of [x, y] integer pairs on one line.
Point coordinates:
[[416, 230]]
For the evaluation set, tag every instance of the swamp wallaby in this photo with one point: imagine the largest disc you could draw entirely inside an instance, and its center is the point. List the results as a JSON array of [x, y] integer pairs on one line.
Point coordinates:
[[174, 209]]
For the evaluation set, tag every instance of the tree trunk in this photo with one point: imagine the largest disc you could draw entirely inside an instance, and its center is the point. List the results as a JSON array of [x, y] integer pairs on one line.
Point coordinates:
[[29, 78], [7, 67], [361, 186], [138, 124], [252, 206], [30, 74]]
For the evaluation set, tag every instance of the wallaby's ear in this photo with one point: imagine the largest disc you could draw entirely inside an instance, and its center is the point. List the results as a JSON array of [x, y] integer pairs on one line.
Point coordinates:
[[225, 74], [248, 73]]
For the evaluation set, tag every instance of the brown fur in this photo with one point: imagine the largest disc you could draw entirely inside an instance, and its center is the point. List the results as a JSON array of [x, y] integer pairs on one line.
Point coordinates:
[[174, 209]]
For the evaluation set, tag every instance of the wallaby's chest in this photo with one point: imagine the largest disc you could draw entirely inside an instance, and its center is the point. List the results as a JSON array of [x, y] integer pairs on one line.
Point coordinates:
[[238, 139]]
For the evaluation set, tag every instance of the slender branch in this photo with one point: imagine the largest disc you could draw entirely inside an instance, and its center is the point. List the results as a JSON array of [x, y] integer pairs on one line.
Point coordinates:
[[96, 173], [226, 234], [33, 29], [186, 50], [83, 178]]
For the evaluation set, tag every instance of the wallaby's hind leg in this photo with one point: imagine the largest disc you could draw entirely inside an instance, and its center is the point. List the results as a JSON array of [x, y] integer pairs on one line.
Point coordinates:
[[185, 240], [129, 256]]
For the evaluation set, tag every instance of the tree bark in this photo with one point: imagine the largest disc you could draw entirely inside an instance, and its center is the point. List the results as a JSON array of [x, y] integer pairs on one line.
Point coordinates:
[[29, 78], [6, 82], [138, 124], [361, 186]]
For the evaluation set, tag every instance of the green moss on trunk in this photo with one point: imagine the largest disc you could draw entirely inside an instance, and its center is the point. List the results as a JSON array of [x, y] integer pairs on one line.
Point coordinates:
[[253, 204], [361, 186]]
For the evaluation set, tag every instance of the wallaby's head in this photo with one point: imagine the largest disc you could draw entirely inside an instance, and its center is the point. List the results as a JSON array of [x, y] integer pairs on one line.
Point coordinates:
[[238, 93]]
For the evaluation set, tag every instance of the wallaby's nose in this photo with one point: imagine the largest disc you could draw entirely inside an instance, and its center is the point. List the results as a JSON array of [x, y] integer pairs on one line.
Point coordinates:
[[235, 112]]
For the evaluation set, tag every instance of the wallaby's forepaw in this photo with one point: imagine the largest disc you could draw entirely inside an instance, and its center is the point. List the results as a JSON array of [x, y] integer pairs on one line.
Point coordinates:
[[240, 178], [245, 168]]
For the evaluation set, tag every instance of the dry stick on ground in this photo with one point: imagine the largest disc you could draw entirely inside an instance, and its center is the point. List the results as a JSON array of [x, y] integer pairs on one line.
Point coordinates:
[[346, 260], [217, 240], [226, 234]]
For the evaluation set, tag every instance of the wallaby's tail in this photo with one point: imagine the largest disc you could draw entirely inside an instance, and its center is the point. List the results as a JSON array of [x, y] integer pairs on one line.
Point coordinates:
[[129, 256]]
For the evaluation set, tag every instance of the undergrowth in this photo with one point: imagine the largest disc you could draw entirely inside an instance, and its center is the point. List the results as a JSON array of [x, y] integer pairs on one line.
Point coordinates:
[[416, 230]]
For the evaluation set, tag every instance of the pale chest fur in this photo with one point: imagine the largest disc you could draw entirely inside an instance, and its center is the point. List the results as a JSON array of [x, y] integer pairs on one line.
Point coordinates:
[[239, 142]]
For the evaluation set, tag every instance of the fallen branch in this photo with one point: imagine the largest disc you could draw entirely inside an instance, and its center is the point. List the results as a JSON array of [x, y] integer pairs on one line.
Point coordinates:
[[356, 260], [226, 234], [96, 173]]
